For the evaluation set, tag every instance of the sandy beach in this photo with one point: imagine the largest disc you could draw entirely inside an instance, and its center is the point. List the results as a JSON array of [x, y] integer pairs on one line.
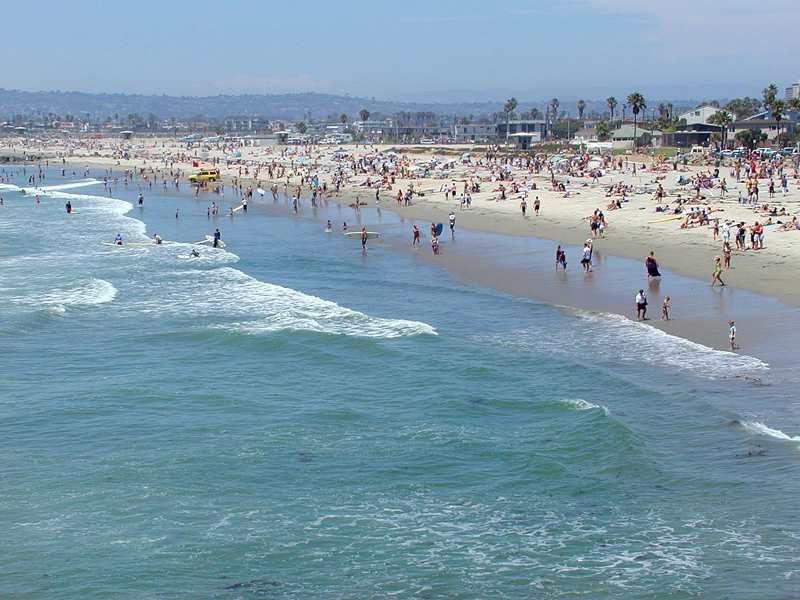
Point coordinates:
[[631, 231]]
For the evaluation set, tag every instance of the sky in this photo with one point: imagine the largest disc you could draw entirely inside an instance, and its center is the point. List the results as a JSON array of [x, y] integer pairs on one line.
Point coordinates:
[[425, 50]]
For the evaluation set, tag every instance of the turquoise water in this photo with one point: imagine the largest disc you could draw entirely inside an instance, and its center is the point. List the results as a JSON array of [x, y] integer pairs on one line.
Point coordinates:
[[291, 419]]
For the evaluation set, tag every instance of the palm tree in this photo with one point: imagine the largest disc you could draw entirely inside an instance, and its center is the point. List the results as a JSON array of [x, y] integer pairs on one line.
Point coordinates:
[[602, 131], [776, 110], [724, 119], [554, 104], [363, 114], [581, 107], [637, 103], [769, 93], [508, 108], [343, 118], [611, 103]]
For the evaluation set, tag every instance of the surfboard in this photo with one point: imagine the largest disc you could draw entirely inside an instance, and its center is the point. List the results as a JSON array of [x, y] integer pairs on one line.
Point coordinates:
[[672, 218], [210, 241], [371, 235], [237, 208], [439, 229], [261, 191]]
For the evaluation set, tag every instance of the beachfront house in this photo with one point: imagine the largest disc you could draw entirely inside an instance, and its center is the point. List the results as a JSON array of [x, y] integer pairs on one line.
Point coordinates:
[[768, 125], [245, 123], [521, 126], [623, 137], [475, 132], [699, 115]]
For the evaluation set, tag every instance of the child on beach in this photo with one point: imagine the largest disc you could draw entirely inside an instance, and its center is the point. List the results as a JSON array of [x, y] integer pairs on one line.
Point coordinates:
[[665, 309]]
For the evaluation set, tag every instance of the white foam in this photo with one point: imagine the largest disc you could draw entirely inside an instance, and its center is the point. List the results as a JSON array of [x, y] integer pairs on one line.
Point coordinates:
[[760, 429], [580, 404], [255, 307], [221, 296], [48, 189], [635, 341], [7, 187], [89, 292]]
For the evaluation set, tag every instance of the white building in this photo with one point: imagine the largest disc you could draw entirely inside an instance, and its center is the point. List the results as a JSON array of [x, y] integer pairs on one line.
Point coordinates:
[[793, 91], [699, 115]]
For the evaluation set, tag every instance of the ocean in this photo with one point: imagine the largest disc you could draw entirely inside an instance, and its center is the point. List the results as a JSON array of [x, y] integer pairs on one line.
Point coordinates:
[[290, 418]]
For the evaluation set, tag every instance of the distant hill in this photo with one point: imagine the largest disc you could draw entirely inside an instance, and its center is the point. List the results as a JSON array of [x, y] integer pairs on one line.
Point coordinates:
[[273, 106]]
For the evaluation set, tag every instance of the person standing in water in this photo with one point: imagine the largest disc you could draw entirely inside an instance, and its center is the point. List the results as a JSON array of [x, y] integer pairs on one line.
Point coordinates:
[[118, 239], [732, 335], [641, 306], [69, 207], [452, 218], [665, 306], [716, 276], [652, 266], [415, 239], [217, 238], [141, 200], [364, 238]]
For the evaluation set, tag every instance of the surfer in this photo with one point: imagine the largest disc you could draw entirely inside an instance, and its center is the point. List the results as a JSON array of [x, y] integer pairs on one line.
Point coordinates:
[[157, 239], [141, 200], [195, 253], [217, 238], [415, 235], [344, 226], [732, 335], [118, 239], [328, 226], [69, 207]]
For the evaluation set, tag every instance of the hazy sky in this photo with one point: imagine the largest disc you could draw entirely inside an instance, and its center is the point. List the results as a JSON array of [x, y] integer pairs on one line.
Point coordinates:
[[409, 49]]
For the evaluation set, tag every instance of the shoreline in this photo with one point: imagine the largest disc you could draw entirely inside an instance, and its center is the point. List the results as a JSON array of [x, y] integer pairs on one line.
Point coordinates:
[[683, 252], [687, 259]]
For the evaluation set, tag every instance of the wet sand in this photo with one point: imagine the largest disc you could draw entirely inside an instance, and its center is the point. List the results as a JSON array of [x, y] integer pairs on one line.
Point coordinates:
[[524, 267]]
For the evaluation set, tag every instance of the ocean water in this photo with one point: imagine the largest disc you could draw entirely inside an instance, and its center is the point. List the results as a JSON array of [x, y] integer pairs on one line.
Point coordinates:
[[288, 418]]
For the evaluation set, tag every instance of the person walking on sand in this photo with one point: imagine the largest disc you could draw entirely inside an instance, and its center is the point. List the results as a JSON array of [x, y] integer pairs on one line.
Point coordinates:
[[665, 306], [732, 335], [641, 306], [716, 276], [536, 206], [523, 205]]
